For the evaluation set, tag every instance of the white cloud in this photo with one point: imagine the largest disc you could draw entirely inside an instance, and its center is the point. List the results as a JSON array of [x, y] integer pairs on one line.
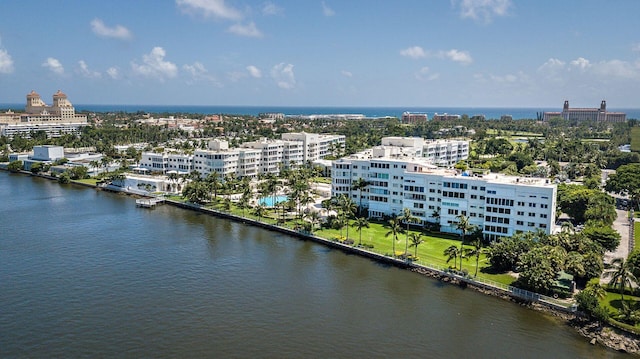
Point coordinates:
[[84, 70], [283, 75], [54, 65], [326, 10], [414, 52], [271, 9], [462, 57], [117, 32], [154, 65], [254, 71], [199, 73], [210, 8], [113, 72], [552, 63], [248, 30], [236, 76], [482, 10], [346, 73], [425, 74], [581, 63], [6, 62]]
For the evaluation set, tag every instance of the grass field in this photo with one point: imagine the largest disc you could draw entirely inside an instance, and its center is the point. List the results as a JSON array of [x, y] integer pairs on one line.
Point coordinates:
[[430, 252], [635, 139]]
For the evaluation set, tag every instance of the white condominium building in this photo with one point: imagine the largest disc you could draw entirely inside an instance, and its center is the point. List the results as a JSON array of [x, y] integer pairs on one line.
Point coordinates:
[[500, 205], [316, 146], [275, 154], [238, 162], [166, 162], [445, 153]]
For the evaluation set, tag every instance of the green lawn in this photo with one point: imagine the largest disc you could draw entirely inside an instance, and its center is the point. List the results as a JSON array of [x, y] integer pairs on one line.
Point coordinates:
[[635, 139], [430, 252], [91, 181], [636, 232]]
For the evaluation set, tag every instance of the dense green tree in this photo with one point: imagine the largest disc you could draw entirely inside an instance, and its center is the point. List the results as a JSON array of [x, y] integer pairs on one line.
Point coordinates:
[[15, 166], [626, 181], [600, 233], [197, 192]]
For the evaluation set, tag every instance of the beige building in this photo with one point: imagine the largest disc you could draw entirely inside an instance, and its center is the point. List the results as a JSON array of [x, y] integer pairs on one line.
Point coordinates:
[[587, 114], [54, 120]]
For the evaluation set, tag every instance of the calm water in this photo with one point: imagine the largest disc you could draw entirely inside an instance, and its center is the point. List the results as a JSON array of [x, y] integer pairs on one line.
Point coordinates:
[[85, 273], [489, 112]]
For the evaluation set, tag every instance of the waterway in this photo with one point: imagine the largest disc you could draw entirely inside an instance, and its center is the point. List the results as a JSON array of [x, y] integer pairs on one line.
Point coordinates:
[[85, 273]]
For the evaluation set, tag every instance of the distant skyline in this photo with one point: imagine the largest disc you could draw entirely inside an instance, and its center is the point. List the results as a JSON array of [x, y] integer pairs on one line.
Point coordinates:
[[414, 53]]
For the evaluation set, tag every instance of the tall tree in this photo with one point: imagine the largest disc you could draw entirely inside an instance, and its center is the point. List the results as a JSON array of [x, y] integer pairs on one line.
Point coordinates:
[[621, 274], [453, 252], [416, 240], [394, 230], [407, 218], [360, 223], [359, 185]]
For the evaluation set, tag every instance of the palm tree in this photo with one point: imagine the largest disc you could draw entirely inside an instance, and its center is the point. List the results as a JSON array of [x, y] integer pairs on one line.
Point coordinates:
[[359, 185], [407, 218], [597, 290], [464, 227], [416, 240], [314, 218], [452, 252], [213, 179], [394, 230], [259, 210], [360, 223], [621, 275], [347, 209], [475, 251]]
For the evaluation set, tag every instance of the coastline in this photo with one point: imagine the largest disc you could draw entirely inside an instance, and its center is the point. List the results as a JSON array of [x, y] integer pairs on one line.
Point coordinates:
[[603, 334]]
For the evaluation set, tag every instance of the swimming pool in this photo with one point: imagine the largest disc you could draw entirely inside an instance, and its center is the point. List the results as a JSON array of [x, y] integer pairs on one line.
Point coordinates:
[[269, 201]]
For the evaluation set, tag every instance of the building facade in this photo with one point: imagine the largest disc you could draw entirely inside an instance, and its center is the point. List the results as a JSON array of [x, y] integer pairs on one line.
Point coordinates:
[[586, 114], [499, 205], [412, 118], [55, 120]]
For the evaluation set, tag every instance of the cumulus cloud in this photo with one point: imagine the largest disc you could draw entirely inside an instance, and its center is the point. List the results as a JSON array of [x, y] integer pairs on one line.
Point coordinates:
[[326, 10], [199, 73], [154, 66], [462, 57], [271, 9], [116, 32], [482, 10], [6, 62], [248, 30], [346, 73], [559, 70], [254, 71], [425, 74], [414, 52], [283, 75], [86, 72], [580, 63], [113, 72], [54, 65], [210, 8]]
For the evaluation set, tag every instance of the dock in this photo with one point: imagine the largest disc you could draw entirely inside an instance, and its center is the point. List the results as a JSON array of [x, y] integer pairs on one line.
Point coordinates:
[[148, 202]]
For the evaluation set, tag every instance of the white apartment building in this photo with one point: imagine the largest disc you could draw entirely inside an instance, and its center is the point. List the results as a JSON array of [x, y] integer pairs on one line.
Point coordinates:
[[237, 162], [277, 153], [444, 153], [500, 205], [316, 146], [166, 162]]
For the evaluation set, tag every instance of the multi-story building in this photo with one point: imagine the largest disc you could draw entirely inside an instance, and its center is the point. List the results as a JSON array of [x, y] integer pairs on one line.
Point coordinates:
[[238, 162], [166, 162], [275, 154], [443, 153], [55, 120], [413, 118], [586, 114], [316, 146], [500, 205]]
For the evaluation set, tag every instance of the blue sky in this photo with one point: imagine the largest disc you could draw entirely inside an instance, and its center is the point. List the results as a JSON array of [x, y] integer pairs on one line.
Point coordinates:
[[463, 53]]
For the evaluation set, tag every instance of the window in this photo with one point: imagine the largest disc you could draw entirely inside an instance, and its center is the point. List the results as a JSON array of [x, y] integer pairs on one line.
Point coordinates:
[[520, 223]]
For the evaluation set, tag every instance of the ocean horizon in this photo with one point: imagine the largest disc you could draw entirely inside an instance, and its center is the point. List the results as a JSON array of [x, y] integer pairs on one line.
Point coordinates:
[[517, 113]]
